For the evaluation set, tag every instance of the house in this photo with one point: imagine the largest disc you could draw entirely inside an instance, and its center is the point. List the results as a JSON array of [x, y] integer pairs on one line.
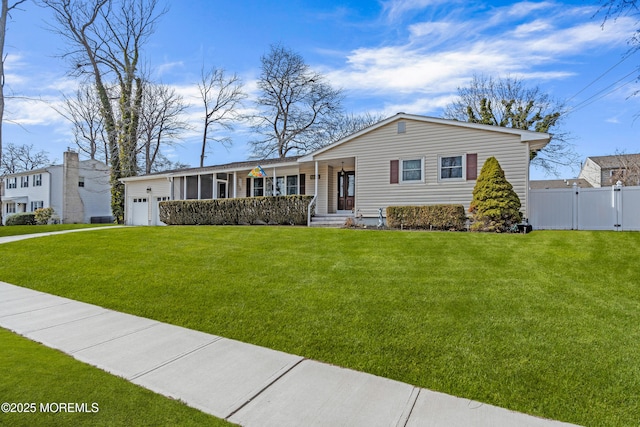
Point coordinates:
[[76, 190], [548, 184], [602, 171], [402, 160]]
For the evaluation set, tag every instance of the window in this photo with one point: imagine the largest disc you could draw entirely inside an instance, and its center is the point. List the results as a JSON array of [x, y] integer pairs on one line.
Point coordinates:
[[36, 205], [24, 181], [37, 180], [292, 184], [451, 167], [12, 182], [402, 127], [81, 181], [206, 186], [411, 170], [192, 187], [258, 187], [11, 208]]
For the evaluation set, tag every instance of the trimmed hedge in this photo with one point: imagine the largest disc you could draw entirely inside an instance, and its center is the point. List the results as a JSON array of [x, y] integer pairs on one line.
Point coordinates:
[[280, 210], [432, 217], [25, 218]]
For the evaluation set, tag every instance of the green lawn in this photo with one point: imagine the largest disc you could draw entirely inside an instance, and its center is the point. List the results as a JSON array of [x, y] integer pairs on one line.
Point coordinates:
[[546, 323], [40, 378], [15, 230]]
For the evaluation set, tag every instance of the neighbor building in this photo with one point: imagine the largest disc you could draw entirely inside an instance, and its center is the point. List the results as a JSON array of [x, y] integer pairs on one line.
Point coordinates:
[[77, 190], [602, 171]]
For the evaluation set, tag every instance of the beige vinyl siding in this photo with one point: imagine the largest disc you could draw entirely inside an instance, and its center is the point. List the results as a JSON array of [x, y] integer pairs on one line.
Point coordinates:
[[421, 140]]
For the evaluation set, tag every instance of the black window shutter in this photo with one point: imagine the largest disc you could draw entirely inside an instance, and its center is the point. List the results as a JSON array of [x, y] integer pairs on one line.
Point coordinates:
[[248, 187], [302, 185]]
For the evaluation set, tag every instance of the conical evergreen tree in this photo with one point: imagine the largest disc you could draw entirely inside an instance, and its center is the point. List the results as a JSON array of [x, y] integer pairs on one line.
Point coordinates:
[[495, 206]]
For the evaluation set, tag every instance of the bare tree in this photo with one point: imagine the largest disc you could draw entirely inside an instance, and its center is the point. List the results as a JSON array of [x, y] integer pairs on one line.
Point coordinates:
[[507, 102], [294, 105], [105, 38], [83, 111], [628, 171], [20, 158], [346, 125], [163, 163], [161, 121], [222, 96], [6, 8]]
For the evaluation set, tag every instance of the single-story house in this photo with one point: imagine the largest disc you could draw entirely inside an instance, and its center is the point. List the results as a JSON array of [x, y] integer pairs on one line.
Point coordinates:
[[77, 190], [402, 160]]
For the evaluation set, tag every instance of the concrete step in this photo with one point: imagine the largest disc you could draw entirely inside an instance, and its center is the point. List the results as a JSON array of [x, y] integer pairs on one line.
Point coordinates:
[[335, 221]]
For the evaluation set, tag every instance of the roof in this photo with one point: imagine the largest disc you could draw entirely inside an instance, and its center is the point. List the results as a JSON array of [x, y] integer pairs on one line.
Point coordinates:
[[538, 140], [558, 183], [615, 161], [230, 167], [52, 166]]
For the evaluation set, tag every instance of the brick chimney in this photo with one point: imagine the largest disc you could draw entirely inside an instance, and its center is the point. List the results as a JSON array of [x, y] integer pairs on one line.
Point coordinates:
[[72, 206]]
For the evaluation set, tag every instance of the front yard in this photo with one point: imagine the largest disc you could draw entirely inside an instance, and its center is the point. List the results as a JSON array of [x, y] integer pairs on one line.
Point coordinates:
[[546, 323]]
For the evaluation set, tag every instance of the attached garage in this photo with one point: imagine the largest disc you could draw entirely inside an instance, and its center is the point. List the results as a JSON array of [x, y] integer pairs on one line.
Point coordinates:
[[139, 211]]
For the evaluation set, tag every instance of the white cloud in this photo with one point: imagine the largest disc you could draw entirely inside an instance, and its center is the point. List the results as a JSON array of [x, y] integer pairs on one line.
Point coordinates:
[[438, 57], [395, 9]]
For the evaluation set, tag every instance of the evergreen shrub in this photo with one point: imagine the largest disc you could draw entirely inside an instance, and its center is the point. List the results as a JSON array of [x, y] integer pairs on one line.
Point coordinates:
[[431, 217], [279, 210], [43, 215], [495, 206], [25, 218]]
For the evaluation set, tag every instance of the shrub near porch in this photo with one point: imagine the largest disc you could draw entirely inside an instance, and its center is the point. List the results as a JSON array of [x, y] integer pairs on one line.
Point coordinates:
[[281, 210]]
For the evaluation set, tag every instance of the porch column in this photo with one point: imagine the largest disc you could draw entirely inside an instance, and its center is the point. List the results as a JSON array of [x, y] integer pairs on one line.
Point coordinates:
[[235, 185], [316, 183]]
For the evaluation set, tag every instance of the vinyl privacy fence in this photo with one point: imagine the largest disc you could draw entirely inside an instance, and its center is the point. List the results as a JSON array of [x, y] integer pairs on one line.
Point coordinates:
[[608, 208]]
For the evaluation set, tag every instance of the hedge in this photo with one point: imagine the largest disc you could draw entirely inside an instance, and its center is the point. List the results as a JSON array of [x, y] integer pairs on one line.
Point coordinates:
[[432, 217], [25, 218], [280, 210]]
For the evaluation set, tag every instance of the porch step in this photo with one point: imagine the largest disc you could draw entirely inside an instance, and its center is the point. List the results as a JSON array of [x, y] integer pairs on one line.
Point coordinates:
[[329, 220]]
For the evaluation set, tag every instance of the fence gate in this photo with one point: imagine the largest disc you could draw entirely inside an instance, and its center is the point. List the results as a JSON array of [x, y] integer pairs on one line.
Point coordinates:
[[607, 208]]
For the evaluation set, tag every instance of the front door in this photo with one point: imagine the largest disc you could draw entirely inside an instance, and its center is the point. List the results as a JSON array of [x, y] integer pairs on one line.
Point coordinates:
[[346, 190]]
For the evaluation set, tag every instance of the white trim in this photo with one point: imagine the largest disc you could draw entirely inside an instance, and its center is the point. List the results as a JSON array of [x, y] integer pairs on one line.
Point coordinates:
[[463, 166], [401, 179]]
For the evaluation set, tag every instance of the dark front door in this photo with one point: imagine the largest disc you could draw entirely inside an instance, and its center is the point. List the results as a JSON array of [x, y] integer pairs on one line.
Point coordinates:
[[346, 190]]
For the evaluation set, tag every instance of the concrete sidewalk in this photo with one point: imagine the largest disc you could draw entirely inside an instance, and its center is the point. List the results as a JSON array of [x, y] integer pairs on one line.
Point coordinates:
[[243, 383], [9, 239]]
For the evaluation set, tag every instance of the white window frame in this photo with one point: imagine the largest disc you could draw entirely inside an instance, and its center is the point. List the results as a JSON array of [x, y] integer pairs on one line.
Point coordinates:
[[463, 157], [12, 183], [37, 180], [24, 181], [11, 208], [295, 187], [401, 171], [35, 205]]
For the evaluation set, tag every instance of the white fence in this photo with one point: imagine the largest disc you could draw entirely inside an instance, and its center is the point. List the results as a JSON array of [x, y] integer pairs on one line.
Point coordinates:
[[608, 208]]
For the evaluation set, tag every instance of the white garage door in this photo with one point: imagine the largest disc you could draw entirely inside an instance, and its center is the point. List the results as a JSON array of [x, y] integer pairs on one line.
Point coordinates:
[[140, 211]]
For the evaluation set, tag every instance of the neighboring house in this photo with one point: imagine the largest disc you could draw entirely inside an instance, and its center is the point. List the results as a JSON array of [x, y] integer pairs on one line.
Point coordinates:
[[402, 160], [602, 171], [547, 184], [76, 190]]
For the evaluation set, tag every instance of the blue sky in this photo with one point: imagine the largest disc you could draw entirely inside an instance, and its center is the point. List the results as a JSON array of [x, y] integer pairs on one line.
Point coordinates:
[[387, 56]]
